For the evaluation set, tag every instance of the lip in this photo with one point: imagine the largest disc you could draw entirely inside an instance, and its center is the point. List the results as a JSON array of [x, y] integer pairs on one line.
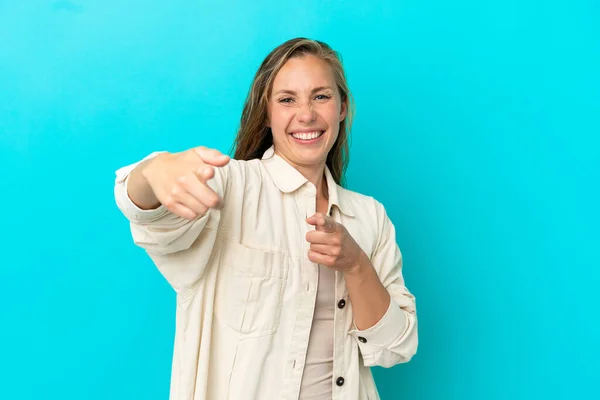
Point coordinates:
[[306, 130]]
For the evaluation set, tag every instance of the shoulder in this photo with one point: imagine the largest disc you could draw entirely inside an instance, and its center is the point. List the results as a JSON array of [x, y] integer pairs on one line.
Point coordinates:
[[245, 165], [362, 204], [369, 213]]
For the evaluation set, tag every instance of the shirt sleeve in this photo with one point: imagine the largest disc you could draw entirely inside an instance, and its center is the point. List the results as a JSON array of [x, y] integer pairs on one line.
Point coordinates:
[[165, 235], [394, 339]]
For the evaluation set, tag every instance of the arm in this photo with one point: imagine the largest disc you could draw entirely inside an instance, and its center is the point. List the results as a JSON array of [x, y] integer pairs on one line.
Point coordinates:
[[139, 190], [165, 229], [384, 311], [370, 299], [178, 181]]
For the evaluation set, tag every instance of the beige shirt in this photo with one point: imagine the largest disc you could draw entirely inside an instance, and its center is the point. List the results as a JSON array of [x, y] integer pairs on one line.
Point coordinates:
[[246, 290]]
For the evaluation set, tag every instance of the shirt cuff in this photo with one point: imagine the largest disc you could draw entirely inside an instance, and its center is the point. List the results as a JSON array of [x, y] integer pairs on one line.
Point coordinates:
[[391, 327]]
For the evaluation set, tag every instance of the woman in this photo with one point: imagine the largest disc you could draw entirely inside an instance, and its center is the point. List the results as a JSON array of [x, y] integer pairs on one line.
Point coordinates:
[[288, 285]]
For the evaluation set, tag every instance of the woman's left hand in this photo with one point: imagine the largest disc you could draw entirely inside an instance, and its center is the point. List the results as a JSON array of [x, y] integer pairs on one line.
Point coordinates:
[[331, 245]]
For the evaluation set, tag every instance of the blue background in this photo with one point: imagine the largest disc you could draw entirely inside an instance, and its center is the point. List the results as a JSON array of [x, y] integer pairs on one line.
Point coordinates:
[[477, 126]]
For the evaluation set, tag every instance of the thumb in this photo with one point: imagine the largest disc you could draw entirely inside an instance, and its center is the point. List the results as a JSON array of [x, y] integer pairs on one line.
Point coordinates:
[[212, 156]]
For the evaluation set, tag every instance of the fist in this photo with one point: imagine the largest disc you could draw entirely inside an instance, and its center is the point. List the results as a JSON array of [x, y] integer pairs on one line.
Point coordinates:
[[332, 245], [179, 180]]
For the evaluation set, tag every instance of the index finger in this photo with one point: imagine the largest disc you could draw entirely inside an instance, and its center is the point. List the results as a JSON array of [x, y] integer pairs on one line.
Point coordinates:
[[212, 156], [323, 223]]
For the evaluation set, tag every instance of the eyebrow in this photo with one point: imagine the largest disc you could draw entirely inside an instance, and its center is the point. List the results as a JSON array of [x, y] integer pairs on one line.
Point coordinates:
[[317, 89]]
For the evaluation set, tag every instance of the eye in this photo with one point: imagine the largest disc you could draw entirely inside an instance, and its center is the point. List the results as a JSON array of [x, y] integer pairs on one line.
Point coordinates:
[[322, 97], [286, 100]]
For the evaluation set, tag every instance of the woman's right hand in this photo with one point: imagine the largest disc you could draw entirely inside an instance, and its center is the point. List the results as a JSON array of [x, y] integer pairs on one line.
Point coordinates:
[[178, 180]]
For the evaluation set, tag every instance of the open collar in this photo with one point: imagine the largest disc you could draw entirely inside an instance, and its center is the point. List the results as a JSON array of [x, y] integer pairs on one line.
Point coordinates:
[[288, 179]]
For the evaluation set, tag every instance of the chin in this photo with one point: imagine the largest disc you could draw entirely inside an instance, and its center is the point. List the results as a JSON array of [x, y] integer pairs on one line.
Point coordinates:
[[312, 156]]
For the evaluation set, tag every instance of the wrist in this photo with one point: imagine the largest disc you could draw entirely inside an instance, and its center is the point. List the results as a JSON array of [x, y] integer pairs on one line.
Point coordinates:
[[360, 268], [147, 165]]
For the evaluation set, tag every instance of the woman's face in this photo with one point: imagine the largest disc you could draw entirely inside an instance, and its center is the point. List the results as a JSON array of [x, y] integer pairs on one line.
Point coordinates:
[[305, 111]]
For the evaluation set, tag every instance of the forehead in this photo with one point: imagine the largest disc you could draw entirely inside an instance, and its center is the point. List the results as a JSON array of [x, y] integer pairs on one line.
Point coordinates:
[[304, 73]]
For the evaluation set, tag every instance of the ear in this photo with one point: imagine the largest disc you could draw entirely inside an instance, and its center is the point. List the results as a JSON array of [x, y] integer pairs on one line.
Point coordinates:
[[343, 111]]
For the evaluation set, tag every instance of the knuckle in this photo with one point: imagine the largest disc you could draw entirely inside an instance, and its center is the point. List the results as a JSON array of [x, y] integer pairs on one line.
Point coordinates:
[[212, 202], [194, 151], [170, 202], [183, 179], [191, 215], [176, 190]]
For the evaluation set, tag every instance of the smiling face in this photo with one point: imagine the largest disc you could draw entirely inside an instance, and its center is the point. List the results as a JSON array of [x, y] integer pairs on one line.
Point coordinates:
[[305, 110]]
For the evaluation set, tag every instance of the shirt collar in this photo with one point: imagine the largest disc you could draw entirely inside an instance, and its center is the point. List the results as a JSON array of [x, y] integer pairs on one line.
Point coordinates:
[[288, 179]]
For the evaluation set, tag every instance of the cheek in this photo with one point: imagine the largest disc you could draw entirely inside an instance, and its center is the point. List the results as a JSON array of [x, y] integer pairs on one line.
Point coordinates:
[[332, 113], [280, 119], [281, 116]]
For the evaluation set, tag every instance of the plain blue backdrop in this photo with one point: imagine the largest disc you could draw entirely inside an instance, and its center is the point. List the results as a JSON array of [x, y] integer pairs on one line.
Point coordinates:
[[477, 126]]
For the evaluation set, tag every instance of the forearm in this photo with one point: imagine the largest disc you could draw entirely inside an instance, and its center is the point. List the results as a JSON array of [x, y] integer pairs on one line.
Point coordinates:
[[370, 299], [138, 189]]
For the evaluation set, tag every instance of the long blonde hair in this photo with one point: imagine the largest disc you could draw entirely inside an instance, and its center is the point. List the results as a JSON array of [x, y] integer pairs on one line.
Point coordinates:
[[254, 137]]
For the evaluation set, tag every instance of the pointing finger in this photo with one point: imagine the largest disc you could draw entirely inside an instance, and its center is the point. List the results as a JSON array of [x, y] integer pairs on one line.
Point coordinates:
[[212, 156], [322, 223]]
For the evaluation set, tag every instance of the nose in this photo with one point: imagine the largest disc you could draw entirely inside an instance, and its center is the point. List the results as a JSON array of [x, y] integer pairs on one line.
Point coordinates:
[[306, 114]]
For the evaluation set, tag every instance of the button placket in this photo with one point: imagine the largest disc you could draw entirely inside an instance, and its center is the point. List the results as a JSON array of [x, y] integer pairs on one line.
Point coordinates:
[[308, 194]]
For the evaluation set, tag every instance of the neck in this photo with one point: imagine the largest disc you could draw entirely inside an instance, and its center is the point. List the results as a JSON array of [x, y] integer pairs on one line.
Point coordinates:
[[314, 174]]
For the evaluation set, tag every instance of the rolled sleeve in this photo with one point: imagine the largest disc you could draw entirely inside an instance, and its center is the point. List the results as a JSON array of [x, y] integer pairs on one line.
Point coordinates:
[[385, 332], [388, 333]]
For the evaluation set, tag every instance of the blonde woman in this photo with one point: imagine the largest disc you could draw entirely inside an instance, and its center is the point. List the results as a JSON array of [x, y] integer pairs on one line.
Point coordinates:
[[289, 286]]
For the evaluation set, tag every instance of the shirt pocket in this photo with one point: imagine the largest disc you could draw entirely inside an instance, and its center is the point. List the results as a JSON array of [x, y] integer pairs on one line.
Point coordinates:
[[250, 290]]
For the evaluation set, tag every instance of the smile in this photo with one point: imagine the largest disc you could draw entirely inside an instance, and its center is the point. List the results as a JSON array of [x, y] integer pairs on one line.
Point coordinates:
[[307, 135]]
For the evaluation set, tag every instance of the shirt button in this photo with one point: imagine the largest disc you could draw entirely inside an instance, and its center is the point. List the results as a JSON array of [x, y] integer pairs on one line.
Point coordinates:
[[362, 339], [339, 381], [341, 303]]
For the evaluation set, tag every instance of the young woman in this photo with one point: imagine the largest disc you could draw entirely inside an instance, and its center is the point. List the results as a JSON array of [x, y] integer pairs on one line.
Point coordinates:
[[288, 285]]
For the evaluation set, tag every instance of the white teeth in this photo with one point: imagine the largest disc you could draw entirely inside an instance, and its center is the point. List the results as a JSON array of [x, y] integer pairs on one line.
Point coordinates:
[[307, 135]]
